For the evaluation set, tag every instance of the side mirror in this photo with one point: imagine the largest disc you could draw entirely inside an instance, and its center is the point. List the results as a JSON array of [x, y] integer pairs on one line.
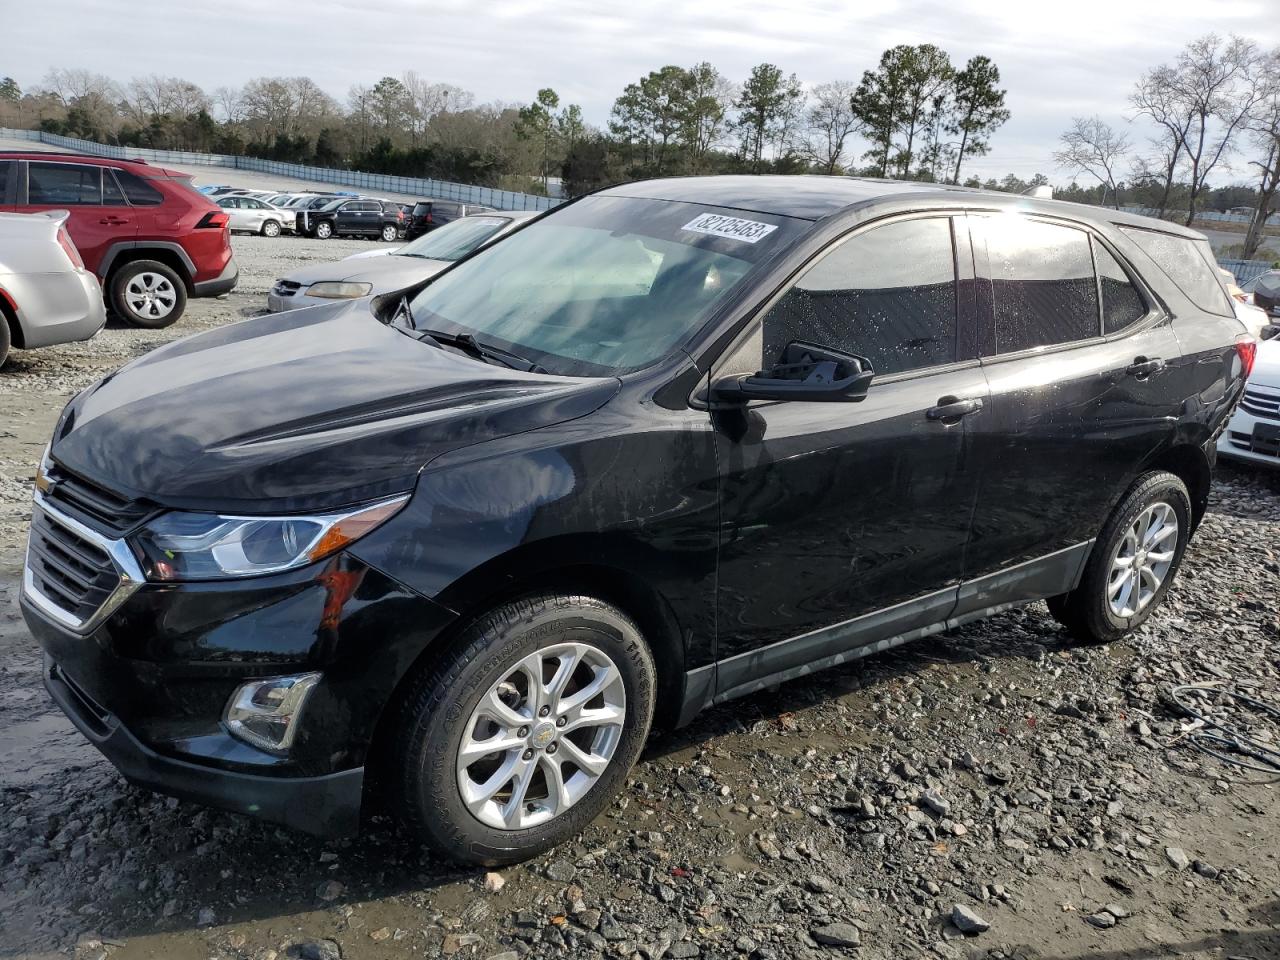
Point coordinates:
[[805, 371]]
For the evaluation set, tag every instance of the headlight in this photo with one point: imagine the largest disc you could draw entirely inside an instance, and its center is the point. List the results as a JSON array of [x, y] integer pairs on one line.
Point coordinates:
[[205, 546], [336, 290], [265, 713]]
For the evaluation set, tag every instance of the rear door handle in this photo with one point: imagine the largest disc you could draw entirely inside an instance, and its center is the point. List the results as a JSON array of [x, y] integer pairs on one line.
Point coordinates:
[[951, 409], [114, 221], [1144, 366]]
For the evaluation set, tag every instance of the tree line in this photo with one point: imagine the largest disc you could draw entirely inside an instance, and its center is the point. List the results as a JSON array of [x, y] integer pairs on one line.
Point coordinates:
[[915, 115], [1215, 109]]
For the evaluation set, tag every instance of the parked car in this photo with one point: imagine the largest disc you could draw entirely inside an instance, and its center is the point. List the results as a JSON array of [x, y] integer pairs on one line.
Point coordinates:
[[1254, 318], [256, 216], [46, 294], [1265, 293], [429, 214], [669, 444], [411, 264], [351, 218], [1253, 434], [151, 238]]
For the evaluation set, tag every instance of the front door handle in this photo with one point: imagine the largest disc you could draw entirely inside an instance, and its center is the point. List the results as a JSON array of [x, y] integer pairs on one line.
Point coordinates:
[[951, 409], [1143, 367]]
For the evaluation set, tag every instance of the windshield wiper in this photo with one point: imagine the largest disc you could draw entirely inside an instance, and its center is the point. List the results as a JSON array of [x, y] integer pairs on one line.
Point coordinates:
[[467, 343], [403, 310]]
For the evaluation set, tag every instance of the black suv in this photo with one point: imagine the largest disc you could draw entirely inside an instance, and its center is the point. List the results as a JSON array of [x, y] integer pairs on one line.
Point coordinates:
[[429, 214], [669, 444], [359, 217]]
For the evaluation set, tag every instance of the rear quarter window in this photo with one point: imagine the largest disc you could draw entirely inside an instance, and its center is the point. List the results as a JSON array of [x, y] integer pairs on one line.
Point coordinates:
[[1189, 264], [138, 191]]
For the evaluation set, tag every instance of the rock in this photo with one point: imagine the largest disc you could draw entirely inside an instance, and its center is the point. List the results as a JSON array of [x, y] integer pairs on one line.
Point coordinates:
[[382, 933], [506, 955], [493, 882], [935, 802], [966, 921], [1178, 857], [837, 935], [330, 890], [453, 942], [684, 950], [1205, 870], [1117, 911], [561, 871], [1102, 920], [317, 950], [205, 918], [818, 883]]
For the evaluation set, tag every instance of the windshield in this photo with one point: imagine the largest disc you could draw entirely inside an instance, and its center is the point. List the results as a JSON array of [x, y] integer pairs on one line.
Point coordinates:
[[454, 240], [603, 285]]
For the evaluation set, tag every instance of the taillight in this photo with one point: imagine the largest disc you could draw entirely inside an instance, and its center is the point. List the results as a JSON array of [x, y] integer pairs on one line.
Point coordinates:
[[213, 221], [1247, 352], [69, 248]]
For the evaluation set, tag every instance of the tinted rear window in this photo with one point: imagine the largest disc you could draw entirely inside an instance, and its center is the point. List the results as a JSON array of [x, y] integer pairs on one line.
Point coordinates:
[[64, 183], [139, 192], [6, 169], [1189, 264]]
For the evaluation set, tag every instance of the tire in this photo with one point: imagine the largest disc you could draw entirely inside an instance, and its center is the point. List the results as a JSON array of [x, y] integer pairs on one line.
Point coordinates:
[[389, 233], [323, 230], [443, 711], [270, 228], [1108, 603], [5, 339], [147, 293]]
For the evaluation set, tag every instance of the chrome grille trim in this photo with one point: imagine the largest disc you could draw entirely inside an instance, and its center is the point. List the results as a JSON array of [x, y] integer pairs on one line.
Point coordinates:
[[1260, 404], [128, 571]]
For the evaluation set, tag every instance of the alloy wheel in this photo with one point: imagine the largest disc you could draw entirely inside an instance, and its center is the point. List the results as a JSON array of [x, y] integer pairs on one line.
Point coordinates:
[[542, 736], [1142, 560], [151, 295]]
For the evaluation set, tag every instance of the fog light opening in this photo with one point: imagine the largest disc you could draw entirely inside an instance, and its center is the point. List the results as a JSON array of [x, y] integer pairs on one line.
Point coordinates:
[[265, 713]]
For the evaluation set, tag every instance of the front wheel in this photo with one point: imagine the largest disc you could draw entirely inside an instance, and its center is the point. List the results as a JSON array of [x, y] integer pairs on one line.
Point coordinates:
[[324, 230], [1132, 564], [389, 233], [147, 293], [521, 735], [271, 229]]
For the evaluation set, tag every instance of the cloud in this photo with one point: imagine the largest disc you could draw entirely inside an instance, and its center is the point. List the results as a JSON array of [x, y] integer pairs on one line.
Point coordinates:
[[1057, 61]]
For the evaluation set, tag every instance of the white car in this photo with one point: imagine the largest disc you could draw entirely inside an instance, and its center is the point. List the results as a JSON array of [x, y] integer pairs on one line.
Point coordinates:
[[251, 215], [46, 294], [1254, 431], [400, 269]]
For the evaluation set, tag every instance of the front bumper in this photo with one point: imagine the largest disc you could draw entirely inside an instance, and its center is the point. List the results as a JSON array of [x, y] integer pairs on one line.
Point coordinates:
[[223, 283], [325, 805], [1251, 438]]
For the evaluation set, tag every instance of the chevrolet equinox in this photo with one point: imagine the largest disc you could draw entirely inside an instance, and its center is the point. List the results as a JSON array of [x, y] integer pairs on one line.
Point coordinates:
[[666, 445]]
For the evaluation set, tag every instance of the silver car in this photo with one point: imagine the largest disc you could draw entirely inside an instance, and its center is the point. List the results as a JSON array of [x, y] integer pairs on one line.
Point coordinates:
[[46, 294], [400, 269], [251, 215]]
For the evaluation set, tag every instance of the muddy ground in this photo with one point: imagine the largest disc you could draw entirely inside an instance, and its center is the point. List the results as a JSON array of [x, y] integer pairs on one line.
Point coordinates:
[[1045, 790]]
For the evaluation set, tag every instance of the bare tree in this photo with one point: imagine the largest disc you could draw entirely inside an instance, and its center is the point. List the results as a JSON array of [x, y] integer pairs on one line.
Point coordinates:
[[72, 84], [1156, 97], [1217, 83], [431, 99], [1091, 146], [229, 104], [830, 123], [1264, 133]]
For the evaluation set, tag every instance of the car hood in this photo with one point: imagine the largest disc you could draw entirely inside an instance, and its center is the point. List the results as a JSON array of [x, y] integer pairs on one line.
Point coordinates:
[[1266, 366], [385, 273], [308, 409]]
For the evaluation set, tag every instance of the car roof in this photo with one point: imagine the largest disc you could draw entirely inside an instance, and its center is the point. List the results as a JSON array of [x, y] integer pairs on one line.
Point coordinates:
[[810, 197]]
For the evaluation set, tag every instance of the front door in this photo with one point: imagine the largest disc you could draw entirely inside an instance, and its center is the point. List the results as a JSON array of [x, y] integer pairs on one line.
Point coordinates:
[[98, 219], [844, 524], [1081, 365]]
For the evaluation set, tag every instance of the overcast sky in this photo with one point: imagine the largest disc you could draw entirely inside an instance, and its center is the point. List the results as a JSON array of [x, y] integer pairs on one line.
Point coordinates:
[[1056, 60]]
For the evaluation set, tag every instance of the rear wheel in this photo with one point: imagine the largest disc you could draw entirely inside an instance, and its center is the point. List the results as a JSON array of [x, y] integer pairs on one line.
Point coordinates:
[[520, 736], [271, 229], [1132, 564], [5, 340], [389, 232], [148, 293], [324, 230]]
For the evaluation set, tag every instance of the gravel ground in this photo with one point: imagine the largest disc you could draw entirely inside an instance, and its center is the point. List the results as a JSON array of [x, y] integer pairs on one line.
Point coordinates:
[[993, 792]]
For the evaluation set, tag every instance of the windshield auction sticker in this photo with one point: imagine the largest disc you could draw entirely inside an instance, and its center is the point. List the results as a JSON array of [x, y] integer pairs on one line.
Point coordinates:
[[734, 228]]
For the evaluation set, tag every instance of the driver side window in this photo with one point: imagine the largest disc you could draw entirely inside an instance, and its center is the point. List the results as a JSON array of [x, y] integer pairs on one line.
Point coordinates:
[[887, 293]]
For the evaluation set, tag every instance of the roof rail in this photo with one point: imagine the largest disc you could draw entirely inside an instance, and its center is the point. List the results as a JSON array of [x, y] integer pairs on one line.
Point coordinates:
[[71, 153]]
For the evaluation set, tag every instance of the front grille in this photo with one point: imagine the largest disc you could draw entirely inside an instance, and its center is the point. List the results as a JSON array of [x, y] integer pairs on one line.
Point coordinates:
[[95, 507], [286, 288], [1265, 405], [72, 572], [1269, 447]]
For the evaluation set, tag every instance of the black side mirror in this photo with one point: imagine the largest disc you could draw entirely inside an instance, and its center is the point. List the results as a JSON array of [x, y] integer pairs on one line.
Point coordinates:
[[805, 371]]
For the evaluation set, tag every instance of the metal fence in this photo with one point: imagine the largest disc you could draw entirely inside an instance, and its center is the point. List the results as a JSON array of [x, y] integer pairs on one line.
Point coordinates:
[[1246, 270], [373, 182], [1205, 215]]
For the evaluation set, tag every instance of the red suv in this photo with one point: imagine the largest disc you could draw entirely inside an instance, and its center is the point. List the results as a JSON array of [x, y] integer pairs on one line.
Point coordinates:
[[149, 235]]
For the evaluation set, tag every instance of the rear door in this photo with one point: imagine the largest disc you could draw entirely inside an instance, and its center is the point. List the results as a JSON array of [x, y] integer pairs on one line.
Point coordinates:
[[1081, 363], [843, 524], [97, 221]]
